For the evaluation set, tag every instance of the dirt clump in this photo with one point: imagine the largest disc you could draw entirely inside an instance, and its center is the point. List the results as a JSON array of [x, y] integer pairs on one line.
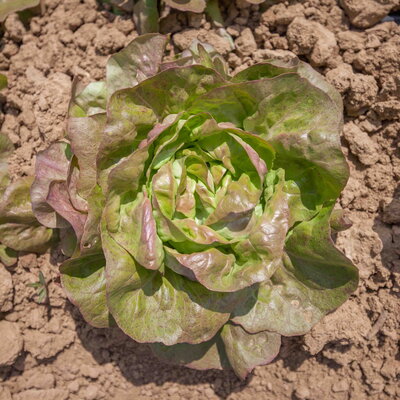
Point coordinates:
[[365, 13], [6, 290], [11, 343]]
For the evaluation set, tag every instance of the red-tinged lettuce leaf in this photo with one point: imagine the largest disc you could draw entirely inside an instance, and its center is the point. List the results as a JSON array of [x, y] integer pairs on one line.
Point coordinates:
[[78, 202], [167, 308], [9, 6], [136, 62], [246, 351], [282, 305], [128, 217], [218, 271], [314, 279], [124, 185], [202, 356], [91, 236], [137, 233], [52, 165], [300, 121], [19, 228], [170, 91], [274, 68], [164, 188], [128, 125], [58, 199], [185, 234], [258, 151], [187, 5], [85, 134], [84, 280]]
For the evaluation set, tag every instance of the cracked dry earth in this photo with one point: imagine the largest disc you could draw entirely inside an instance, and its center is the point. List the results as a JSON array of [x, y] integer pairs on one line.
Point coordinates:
[[50, 353]]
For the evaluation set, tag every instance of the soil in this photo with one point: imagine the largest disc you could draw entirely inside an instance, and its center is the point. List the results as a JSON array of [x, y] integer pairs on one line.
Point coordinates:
[[48, 352]]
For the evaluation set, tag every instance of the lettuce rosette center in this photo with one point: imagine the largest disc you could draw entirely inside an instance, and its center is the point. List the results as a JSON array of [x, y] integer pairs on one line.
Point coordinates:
[[196, 206]]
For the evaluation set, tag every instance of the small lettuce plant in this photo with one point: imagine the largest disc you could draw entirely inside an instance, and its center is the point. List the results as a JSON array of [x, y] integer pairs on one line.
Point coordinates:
[[196, 206]]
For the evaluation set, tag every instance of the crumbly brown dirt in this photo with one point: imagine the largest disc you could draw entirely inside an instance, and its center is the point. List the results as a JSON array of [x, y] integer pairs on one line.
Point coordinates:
[[353, 352]]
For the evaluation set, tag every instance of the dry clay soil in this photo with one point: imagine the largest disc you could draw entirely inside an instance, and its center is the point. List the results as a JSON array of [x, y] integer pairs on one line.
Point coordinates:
[[50, 353]]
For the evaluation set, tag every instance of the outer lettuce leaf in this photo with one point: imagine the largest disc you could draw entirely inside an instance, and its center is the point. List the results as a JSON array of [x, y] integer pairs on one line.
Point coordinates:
[[138, 61], [170, 91], [51, 166], [58, 198], [83, 278], [138, 235], [86, 134], [232, 348], [314, 279], [19, 229], [245, 351], [311, 250], [24, 237], [122, 137], [15, 205], [91, 236], [274, 68]]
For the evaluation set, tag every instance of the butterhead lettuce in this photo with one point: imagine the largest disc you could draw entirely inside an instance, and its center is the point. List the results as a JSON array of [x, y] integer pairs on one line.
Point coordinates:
[[196, 205]]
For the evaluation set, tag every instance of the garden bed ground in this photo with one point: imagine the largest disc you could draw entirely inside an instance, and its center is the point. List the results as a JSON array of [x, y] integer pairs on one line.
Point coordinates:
[[353, 353]]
